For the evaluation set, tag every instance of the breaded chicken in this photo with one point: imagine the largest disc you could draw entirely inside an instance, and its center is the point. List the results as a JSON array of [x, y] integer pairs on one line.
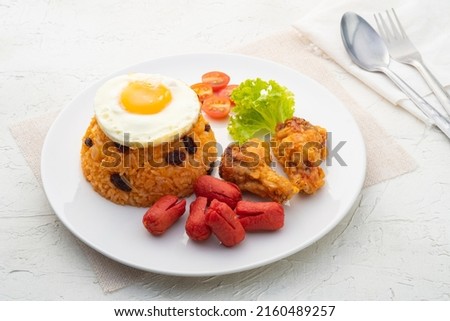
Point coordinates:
[[300, 148], [247, 166]]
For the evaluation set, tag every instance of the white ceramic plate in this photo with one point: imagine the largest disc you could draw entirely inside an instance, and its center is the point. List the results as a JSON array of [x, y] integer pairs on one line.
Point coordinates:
[[117, 232]]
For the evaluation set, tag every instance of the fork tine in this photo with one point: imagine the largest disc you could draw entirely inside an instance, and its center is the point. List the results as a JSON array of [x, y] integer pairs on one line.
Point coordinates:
[[399, 24], [380, 29], [385, 28], [393, 26]]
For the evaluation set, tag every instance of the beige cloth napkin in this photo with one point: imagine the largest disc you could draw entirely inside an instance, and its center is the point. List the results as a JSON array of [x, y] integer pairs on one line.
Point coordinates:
[[425, 22], [385, 158]]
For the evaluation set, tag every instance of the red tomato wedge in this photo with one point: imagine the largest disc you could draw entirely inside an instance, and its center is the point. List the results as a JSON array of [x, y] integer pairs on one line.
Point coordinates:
[[226, 92], [203, 90], [217, 79], [217, 107]]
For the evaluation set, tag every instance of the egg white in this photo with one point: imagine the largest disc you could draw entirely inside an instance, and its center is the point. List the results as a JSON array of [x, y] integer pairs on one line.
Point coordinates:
[[174, 120]]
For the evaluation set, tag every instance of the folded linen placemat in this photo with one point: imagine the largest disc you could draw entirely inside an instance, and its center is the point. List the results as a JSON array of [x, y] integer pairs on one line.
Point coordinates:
[[385, 158], [30, 135]]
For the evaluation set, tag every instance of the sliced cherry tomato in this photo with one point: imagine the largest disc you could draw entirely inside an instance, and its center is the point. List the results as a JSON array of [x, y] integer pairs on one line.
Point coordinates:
[[217, 79], [202, 90], [226, 92], [217, 107]]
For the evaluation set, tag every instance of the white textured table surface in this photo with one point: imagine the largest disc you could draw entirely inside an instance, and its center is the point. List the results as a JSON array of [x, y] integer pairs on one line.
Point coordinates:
[[393, 245]]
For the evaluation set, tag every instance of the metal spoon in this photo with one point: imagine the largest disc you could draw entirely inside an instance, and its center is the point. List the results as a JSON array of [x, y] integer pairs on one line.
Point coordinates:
[[368, 51]]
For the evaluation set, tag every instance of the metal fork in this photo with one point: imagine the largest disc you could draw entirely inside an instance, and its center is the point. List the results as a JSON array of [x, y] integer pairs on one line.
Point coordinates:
[[402, 50]]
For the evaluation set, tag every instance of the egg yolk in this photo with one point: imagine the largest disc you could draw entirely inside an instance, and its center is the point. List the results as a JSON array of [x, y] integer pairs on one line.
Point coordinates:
[[143, 98]]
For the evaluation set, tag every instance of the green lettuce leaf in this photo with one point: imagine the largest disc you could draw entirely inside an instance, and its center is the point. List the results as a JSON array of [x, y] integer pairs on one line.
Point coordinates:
[[260, 106]]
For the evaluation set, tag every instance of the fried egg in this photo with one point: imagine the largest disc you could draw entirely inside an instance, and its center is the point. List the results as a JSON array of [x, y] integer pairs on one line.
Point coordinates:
[[141, 109]]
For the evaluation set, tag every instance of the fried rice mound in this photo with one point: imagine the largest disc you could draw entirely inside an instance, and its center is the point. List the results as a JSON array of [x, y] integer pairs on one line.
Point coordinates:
[[140, 176]]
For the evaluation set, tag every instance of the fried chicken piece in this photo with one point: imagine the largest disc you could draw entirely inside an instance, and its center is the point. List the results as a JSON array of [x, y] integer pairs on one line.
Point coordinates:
[[300, 148], [247, 166]]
